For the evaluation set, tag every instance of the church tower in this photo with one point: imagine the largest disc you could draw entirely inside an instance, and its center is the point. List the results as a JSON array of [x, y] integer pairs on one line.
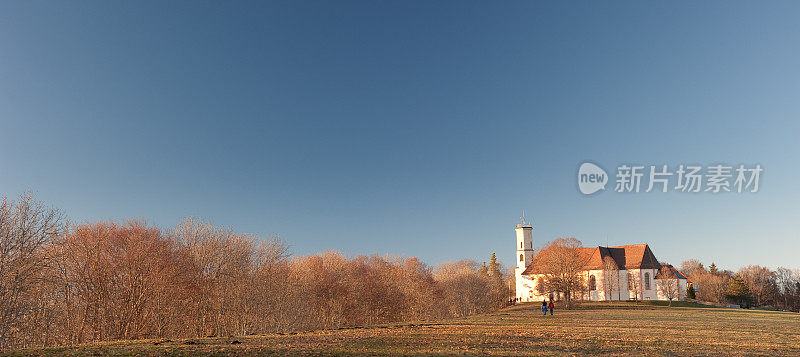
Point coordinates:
[[524, 257], [524, 244]]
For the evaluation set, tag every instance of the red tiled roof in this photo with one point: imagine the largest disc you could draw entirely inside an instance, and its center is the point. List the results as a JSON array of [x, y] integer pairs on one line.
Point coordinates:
[[635, 256], [537, 265], [672, 274]]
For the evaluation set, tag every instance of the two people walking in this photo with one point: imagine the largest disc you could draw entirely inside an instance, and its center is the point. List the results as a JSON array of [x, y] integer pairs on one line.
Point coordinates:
[[546, 306]]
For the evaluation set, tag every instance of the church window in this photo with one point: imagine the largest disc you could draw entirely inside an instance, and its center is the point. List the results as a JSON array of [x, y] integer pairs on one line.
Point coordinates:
[[630, 281], [592, 283], [520, 245], [520, 257], [647, 281]]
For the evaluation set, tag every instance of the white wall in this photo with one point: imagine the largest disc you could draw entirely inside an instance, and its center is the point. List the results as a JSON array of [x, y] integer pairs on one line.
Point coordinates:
[[524, 246], [681, 292], [524, 286], [621, 292]]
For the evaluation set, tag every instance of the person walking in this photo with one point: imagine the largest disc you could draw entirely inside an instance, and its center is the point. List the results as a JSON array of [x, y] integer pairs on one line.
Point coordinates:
[[551, 306], [544, 307]]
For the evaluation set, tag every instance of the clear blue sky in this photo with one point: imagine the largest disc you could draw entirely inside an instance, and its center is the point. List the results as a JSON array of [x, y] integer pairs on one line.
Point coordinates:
[[413, 128]]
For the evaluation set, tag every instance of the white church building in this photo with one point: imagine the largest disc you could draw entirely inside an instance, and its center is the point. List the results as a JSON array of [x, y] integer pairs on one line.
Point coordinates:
[[637, 276]]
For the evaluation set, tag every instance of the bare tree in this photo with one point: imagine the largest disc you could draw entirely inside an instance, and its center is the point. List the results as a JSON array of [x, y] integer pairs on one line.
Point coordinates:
[[466, 291], [239, 274], [787, 281], [26, 228], [712, 282], [122, 282], [760, 281], [692, 267], [610, 277], [562, 263], [635, 284], [667, 283]]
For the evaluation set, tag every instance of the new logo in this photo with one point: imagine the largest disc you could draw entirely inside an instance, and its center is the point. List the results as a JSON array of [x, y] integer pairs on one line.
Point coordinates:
[[591, 178]]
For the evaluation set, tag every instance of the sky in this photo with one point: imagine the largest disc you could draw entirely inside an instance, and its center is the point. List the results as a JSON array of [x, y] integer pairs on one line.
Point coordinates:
[[411, 128]]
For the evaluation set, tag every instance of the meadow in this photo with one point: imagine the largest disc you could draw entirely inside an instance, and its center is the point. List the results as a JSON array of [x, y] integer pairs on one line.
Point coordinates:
[[599, 328]]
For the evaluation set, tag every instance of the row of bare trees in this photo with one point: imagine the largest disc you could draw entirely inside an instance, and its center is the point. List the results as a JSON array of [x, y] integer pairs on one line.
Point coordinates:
[[752, 285], [63, 284]]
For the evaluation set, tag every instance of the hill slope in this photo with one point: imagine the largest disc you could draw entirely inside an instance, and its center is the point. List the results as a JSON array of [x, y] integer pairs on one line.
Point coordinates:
[[520, 330]]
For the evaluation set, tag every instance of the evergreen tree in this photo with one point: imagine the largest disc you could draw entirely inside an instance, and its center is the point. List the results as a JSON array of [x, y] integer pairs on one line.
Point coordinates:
[[690, 294], [499, 290], [494, 268], [713, 268], [738, 292], [484, 270]]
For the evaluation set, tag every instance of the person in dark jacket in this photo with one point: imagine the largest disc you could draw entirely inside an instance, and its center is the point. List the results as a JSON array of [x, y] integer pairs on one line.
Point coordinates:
[[544, 307]]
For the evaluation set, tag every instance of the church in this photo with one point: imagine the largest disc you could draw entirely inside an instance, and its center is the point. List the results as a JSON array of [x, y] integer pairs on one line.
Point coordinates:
[[633, 272]]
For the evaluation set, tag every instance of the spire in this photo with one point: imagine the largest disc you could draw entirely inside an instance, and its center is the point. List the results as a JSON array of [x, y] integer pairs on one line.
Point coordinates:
[[524, 222]]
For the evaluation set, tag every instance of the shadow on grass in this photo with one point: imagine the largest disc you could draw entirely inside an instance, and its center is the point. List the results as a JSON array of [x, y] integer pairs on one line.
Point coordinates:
[[640, 304], [627, 305]]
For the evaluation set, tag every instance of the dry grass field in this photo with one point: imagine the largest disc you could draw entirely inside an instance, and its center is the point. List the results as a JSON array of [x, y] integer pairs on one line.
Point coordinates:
[[609, 329]]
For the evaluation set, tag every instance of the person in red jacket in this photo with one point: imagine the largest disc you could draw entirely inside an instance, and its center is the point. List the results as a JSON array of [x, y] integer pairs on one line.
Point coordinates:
[[550, 306]]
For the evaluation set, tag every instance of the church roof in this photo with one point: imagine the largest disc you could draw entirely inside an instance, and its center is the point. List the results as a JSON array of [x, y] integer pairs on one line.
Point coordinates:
[[634, 256], [626, 257], [670, 273]]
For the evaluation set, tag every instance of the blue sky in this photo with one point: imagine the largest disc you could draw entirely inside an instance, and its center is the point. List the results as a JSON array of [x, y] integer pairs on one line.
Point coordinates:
[[413, 128]]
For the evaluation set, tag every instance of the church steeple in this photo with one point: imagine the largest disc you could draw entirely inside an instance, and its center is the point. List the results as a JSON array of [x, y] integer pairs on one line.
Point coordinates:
[[524, 243]]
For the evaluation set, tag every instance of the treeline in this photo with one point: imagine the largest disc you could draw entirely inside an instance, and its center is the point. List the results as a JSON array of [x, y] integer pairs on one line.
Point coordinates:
[[750, 286], [63, 284]]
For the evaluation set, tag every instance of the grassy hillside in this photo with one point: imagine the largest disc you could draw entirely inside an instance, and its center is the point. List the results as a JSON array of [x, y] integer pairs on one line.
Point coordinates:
[[521, 330]]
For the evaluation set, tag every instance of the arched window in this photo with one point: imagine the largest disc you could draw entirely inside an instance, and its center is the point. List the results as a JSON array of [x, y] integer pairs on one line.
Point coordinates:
[[592, 283], [520, 257], [630, 281], [647, 281]]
